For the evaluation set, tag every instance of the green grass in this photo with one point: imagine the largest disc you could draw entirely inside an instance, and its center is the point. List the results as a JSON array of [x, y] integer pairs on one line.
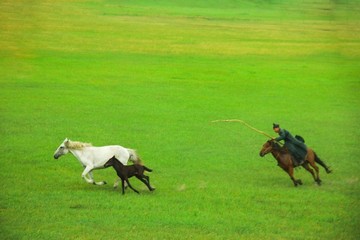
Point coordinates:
[[152, 75]]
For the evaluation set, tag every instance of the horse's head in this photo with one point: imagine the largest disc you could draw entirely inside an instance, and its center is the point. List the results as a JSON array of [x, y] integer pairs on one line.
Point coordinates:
[[266, 148], [62, 149]]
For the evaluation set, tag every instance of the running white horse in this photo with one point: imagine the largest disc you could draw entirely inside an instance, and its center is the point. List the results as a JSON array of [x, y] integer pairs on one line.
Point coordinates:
[[92, 157]]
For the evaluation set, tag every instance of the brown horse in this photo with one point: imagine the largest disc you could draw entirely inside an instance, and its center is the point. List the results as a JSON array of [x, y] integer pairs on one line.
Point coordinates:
[[284, 160]]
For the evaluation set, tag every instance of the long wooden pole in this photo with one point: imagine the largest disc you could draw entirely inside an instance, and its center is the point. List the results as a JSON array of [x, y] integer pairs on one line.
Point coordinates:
[[246, 124]]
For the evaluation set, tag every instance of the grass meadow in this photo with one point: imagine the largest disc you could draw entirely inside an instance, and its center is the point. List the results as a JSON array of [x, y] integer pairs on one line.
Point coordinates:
[[152, 75]]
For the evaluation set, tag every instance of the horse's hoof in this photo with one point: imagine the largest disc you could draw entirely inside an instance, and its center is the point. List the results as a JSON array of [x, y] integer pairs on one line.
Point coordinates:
[[297, 182]]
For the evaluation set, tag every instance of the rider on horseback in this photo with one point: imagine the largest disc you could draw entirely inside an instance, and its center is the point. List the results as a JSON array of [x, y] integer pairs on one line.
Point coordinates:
[[297, 148]]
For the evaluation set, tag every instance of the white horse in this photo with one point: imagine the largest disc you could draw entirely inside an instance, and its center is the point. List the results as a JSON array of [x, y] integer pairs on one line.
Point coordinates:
[[92, 157]]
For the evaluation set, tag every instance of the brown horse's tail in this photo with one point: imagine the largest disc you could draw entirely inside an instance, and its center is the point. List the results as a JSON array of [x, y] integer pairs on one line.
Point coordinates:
[[319, 161]]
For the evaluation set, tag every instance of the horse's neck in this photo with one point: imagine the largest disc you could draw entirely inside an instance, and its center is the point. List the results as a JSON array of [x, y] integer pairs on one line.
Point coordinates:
[[275, 154], [79, 154], [119, 165], [119, 168]]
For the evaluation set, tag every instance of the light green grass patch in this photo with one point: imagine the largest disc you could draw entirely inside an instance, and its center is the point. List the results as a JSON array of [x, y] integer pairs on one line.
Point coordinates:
[[152, 75]]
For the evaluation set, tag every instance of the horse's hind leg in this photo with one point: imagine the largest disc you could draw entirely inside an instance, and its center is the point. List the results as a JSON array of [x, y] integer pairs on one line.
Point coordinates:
[[146, 182], [319, 161]]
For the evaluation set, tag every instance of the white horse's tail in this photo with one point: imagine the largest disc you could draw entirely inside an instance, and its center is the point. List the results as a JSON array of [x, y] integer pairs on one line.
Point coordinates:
[[133, 156]]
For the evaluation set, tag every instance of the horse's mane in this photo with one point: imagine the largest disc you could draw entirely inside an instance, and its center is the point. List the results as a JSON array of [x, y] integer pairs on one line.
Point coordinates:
[[76, 145], [279, 148]]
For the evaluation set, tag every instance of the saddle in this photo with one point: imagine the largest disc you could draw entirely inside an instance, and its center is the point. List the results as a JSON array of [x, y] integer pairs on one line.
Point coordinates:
[[300, 138], [297, 162]]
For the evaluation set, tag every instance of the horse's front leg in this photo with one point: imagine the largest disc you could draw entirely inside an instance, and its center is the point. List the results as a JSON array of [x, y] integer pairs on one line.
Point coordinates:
[[123, 186], [315, 176], [96, 183], [116, 183], [90, 178], [86, 171], [128, 183], [296, 182]]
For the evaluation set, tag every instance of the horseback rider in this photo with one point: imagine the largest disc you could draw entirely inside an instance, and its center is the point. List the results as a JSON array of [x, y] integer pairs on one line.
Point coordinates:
[[297, 148]]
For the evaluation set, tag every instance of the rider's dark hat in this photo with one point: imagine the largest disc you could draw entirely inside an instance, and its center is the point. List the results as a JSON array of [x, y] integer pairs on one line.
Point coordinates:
[[276, 125]]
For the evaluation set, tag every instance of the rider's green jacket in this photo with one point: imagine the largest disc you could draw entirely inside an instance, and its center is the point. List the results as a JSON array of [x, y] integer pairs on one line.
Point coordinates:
[[296, 148]]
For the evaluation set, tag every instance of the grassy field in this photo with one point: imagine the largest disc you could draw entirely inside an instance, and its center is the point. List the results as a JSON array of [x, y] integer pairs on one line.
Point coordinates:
[[152, 75]]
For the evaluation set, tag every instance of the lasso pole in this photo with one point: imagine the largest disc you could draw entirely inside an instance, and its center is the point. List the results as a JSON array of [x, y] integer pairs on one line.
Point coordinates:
[[246, 124]]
